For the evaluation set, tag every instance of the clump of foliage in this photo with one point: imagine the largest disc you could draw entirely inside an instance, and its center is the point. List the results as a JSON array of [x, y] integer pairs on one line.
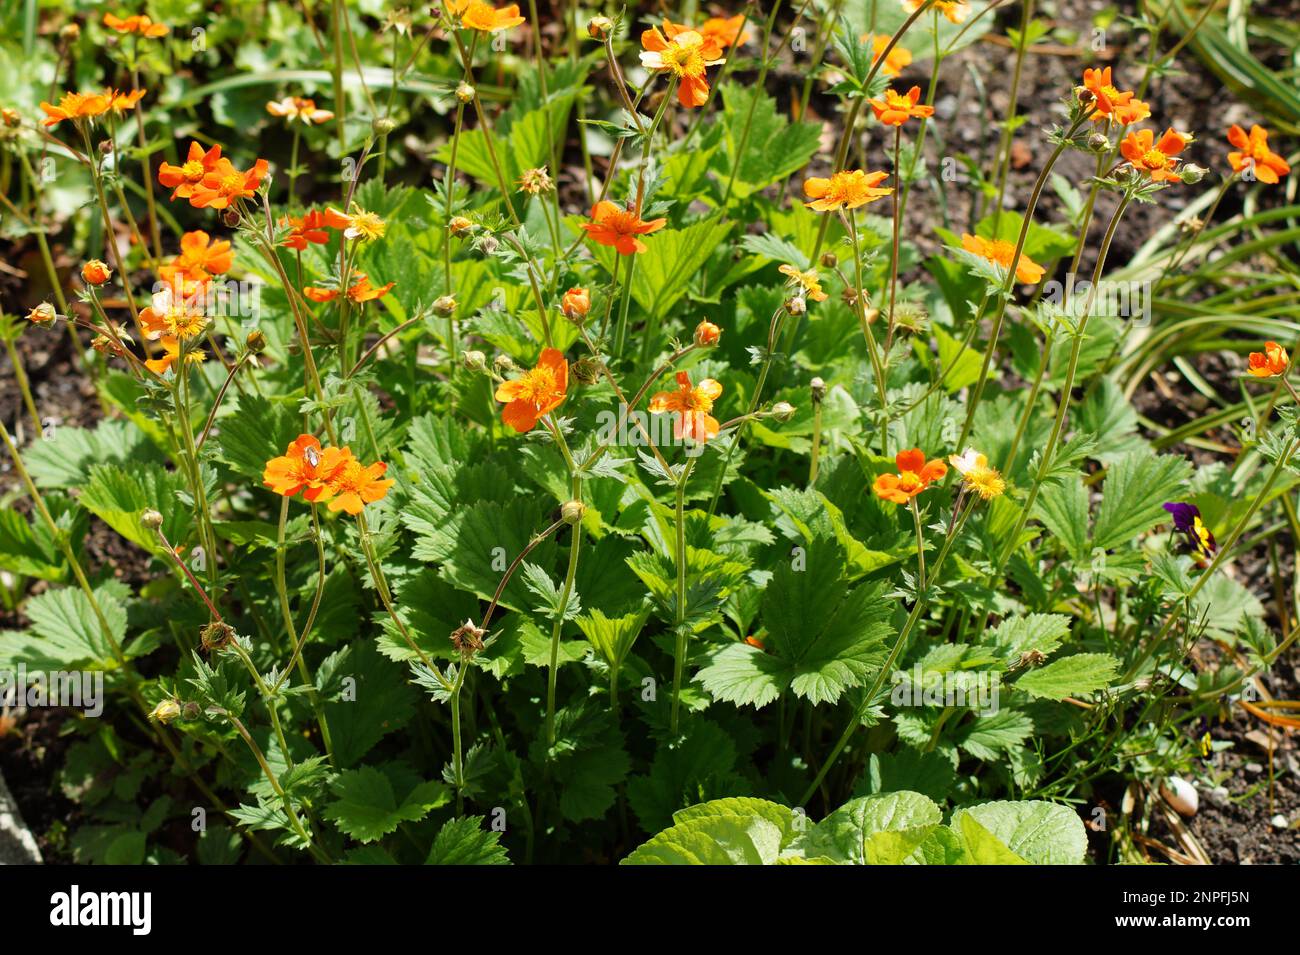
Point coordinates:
[[641, 485]]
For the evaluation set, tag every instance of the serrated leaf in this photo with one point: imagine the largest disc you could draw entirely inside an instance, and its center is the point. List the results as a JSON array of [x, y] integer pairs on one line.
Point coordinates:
[[366, 808], [1076, 675]]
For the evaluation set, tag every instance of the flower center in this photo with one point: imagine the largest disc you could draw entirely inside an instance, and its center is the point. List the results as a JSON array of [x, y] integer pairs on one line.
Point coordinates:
[[684, 59], [538, 386], [1154, 159], [192, 169], [232, 182]]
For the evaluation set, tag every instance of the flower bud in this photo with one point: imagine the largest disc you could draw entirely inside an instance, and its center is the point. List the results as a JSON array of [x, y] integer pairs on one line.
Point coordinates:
[[70, 31], [231, 218], [585, 371], [43, 315], [95, 272], [782, 411], [383, 125], [817, 388], [465, 93], [576, 304], [474, 360], [216, 635], [255, 342], [11, 117], [829, 261], [444, 306], [572, 511], [488, 244], [1191, 173], [459, 225], [504, 365], [468, 639], [707, 334], [106, 147], [599, 27], [151, 519], [1098, 142], [165, 711], [795, 305]]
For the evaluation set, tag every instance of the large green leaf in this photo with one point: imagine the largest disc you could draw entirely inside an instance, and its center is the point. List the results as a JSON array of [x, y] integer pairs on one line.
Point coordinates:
[[1136, 488], [824, 636]]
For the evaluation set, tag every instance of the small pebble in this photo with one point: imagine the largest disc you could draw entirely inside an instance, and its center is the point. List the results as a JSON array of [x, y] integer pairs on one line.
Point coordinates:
[[1218, 796], [1280, 822], [1253, 768], [1180, 794]]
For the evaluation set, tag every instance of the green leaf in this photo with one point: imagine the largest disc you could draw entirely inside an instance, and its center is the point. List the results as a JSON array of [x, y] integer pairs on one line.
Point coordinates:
[[672, 256], [367, 809], [1036, 631], [1076, 675], [1063, 508], [65, 632], [824, 636], [464, 842], [718, 837], [254, 433], [613, 637], [65, 458], [1136, 488], [1041, 833], [773, 147], [881, 829], [22, 551], [119, 495], [982, 847], [375, 700]]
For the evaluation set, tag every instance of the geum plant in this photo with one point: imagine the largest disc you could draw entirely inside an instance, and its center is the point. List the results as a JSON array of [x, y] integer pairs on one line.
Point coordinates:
[[524, 519]]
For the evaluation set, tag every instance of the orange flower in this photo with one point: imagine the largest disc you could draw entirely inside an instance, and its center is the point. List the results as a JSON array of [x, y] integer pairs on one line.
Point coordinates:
[[476, 15], [1000, 252], [1269, 363], [956, 11], [224, 183], [96, 272], [575, 304], [121, 102], [614, 226], [685, 54], [725, 31], [914, 475], [303, 110], [140, 24], [899, 58], [1110, 103], [1156, 159], [171, 352], [311, 227], [301, 468], [183, 180], [692, 403], [895, 109], [200, 259], [808, 282], [1264, 164], [360, 291], [351, 485], [845, 190], [171, 315], [536, 392], [76, 106]]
